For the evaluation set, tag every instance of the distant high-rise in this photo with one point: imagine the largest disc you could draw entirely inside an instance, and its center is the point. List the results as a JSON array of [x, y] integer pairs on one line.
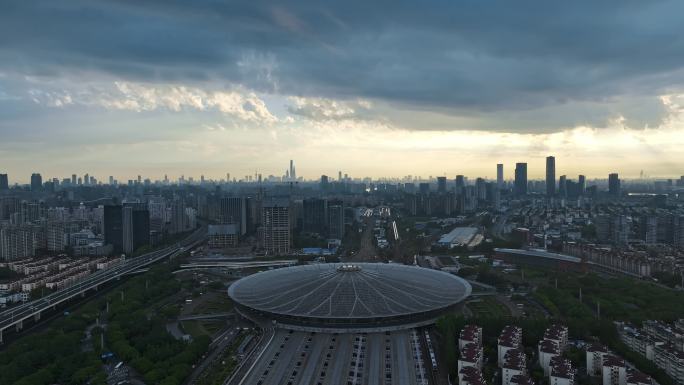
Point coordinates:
[[4, 182], [424, 188], [113, 227], [36, 182], [336, 219], [275, 231], [135, 226], [315, 216], [460, 183], [581, 184], [550, 175], [520, 183], [499, 175], [234, 210], [325, 182], [293, 172], [73, 179], [614, 184], [441, 184], [562, 186]]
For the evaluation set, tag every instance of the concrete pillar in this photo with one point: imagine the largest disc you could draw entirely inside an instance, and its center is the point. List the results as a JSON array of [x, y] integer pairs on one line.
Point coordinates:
[[1, 340], [19, 325], [83, 294], [36, 317]]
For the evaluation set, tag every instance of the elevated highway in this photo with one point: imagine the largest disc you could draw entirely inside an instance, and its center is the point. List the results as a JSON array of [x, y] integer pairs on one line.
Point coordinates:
[[15, 316]]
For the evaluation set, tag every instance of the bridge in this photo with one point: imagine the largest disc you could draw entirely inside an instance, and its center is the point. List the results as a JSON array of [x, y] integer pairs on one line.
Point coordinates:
[[16, 315], [194, 317], [236, 265]]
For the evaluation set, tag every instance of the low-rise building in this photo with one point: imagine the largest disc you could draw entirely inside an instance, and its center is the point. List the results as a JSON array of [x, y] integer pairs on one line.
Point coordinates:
[[562, 372], [614, 370], [471, 355], [470, 334], [514, 365], [595, 354], [547, 350], [635, 377], [470, 375], [671, 361], [510, 338]]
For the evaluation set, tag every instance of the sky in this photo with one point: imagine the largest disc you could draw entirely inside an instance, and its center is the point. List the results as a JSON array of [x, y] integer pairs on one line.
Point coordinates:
[[371, 88]]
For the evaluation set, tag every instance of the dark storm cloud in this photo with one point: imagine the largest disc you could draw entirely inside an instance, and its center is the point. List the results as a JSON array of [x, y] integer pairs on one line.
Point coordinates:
[[461, 57]]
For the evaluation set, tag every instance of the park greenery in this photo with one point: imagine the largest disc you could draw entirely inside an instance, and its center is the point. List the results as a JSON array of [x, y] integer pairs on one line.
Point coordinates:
[[132, 331]]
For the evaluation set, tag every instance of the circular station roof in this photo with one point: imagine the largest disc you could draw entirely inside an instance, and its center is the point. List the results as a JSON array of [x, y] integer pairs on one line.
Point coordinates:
[[349, 292]]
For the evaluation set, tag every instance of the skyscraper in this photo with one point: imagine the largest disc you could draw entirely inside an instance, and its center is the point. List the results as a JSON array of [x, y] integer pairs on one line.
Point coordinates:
[[36, 182], [441, 184], [336, 219], [499, 175], [234, 210], [520, 179], [293, 172], [113, 227], [614, 184], [562, 186], [460, 183], [4, 182], [275, 231], [550, 176], [581, 184], [315, 216], [324, 182], [135, 226]]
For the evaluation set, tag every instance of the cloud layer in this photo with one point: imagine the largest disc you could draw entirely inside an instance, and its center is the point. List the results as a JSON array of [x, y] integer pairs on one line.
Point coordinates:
[[269, 69]]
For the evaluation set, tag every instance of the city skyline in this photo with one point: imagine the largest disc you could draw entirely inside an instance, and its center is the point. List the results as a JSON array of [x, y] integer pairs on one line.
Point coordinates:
[[508, 174], [374, 98]]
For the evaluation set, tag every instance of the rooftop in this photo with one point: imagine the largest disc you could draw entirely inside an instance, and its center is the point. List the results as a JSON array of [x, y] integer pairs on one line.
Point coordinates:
[[344, 291]]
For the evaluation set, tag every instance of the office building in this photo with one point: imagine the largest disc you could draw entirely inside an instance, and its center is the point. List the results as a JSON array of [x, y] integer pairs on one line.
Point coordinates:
[[614, 185], [336, 219], [234, 210], [441, 184], [550, 176], [113, 227], [4, 182], [563, 186], [581, 184], [520, 183], [36, 182], [325, 183], [499, 176], [315, 216], [135, 226], [460, 183]]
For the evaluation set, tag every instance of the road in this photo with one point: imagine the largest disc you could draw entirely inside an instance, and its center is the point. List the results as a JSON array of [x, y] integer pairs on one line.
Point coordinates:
[[16, 315]]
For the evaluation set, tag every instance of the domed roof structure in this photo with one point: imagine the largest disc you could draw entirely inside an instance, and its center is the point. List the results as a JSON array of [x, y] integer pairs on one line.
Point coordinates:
[[364, 294]]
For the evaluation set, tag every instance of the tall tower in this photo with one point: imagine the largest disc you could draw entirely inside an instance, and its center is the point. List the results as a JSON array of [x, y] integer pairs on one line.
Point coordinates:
[[4, 182], [614, 184], [520, 179], [275, 233], [550, 176], [293, 173], [499, 176], [36, 182]]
